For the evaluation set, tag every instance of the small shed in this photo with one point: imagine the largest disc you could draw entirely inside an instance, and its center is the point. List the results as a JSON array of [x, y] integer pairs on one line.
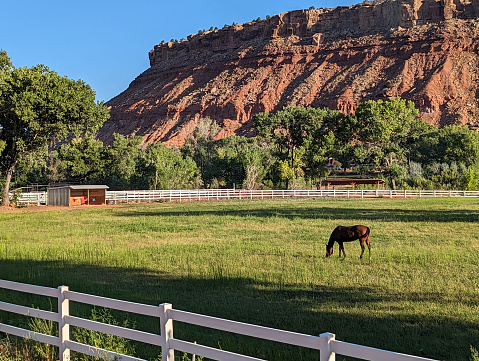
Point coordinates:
[[76, 195], [352, 182]]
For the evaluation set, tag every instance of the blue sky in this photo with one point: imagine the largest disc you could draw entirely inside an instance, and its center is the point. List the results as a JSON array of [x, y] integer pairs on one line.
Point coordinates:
[[106, 43]]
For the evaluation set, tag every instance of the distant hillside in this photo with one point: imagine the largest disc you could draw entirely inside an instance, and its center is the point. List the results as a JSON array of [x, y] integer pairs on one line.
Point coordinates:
[[425, 51]]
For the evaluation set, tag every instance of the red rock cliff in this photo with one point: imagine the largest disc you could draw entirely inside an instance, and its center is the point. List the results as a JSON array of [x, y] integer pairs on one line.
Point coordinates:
[[425, 51]]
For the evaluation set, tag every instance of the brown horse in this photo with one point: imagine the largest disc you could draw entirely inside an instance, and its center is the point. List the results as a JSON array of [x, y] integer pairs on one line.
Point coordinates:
[[347, 234]]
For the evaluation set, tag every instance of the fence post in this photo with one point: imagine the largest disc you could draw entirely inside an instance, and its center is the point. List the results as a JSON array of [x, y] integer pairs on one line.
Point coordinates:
[[166, 333], [325, 353], [63, 327]]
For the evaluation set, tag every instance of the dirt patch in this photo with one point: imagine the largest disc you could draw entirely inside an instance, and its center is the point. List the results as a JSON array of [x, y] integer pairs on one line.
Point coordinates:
[[34, 209]]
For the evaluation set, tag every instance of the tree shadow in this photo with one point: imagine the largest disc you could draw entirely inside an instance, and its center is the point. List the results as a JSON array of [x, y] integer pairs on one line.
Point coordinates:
[[361, 211], [306, 309]]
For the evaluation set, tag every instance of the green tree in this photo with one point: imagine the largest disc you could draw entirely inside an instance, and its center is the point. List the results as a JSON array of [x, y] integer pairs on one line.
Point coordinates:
[[225, 167], [286, 127], [320, 141], [81, 160], [237, 161], [255, 160], [302, 135], [470, 178], [123, 159], [449, 144], [168, 169], [5, 62], [199, 145], [387, 129], [38, 106], [33, 168]]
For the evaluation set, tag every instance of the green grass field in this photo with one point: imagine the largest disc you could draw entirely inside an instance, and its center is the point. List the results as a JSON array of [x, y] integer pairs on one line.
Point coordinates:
[[263, 262]]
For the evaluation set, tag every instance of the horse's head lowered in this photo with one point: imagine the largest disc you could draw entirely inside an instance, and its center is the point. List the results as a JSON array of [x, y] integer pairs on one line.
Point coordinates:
[[329, 250]]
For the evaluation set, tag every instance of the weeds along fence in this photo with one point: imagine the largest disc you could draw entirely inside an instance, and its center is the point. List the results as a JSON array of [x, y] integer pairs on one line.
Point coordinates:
[[326, 344], [112, 197]]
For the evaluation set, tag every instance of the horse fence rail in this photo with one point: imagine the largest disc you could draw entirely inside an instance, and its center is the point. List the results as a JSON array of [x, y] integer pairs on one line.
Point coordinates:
[[184, 195], [226, 194], [32, 198], [325, 344]]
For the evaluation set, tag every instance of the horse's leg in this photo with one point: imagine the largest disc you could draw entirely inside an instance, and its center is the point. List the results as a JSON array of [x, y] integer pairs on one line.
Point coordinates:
[[369, 246], [341, 248], [361, 242]]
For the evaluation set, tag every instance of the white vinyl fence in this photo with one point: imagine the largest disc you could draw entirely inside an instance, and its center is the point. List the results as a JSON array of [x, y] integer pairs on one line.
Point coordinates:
[[222, 194], [325, 343], [184, 195], [32, 198]]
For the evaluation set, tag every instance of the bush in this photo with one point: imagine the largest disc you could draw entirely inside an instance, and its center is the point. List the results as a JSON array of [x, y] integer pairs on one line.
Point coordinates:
[[415, 170], [11, 351], [39, 350], [474, 354], [101, 340], [470, 178]]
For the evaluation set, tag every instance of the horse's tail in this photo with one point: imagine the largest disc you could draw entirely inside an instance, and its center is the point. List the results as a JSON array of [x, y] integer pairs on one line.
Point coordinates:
[[368, 231]]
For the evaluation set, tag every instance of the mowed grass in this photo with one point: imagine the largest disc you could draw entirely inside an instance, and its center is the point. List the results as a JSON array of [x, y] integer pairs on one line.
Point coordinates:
[[263, 262]]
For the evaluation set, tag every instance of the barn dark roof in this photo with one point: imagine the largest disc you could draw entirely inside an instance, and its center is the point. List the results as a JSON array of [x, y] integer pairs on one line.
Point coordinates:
[[345, 181], [91, 186]]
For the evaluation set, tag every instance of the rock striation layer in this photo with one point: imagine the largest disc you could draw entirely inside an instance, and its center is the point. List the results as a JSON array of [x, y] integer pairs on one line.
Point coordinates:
[[425, 51]]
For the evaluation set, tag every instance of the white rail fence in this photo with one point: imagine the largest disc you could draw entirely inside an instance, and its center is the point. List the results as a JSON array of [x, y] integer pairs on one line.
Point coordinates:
[[38, 198], [222, 194], [32, 198], [325, 343]]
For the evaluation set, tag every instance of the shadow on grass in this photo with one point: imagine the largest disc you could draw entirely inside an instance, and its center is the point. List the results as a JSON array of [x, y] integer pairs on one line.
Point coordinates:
[[318, 212], [356, 314]]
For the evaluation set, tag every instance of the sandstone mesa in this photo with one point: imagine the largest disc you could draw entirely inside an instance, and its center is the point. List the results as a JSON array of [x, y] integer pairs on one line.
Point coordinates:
[[422, 50]]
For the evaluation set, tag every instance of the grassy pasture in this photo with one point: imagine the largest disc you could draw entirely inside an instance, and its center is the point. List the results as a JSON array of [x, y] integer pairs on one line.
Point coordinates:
[[262, 262]]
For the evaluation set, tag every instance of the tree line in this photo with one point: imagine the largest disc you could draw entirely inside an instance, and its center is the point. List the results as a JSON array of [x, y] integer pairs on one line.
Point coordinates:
[[48, 128]]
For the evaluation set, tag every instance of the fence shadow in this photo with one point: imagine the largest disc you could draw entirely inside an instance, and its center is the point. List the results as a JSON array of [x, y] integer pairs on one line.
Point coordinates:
[[310, 310]]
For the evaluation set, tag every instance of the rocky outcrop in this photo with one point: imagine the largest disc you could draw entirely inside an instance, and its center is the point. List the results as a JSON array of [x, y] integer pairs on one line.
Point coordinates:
[[425, 51]]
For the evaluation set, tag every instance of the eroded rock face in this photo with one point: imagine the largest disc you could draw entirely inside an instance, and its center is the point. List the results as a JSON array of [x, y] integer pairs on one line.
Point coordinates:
[[425, 51]]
